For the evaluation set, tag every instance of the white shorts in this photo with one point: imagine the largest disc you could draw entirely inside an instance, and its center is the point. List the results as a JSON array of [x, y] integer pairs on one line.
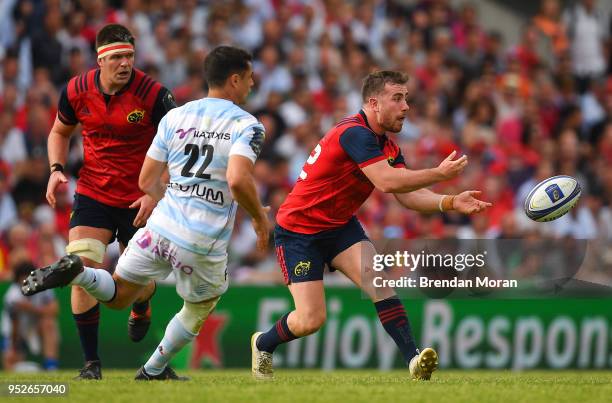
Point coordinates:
[[150, 256]]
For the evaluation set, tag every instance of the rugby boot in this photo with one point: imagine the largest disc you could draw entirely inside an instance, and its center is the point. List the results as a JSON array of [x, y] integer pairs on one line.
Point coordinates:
[[261, 361], [167, 374], [138, 324], [59, 274], [421, 366], [91, 371]]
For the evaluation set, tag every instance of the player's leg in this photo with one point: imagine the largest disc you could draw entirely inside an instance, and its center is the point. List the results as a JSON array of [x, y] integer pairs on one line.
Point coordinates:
[[200, 281], [302, 266], [49, 335], [356, 262], [139, 320], [181, 330], [90, 244]]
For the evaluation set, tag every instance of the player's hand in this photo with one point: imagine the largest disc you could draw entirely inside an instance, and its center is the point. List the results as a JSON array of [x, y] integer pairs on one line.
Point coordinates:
[[261, 226], [467, 203], [450, 168], [57, 178], [145, 206]]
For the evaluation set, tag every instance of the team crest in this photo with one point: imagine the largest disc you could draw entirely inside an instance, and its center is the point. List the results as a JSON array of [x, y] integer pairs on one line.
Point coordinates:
[[302, 268], [136, 116]]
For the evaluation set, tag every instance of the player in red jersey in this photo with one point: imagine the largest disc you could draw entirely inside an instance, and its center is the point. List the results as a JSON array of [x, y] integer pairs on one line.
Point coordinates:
[[317, 223], [119, 109]]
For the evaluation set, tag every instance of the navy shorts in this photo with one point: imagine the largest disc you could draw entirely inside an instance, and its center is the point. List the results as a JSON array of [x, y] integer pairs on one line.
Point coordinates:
[[92, 213], [302, 257]]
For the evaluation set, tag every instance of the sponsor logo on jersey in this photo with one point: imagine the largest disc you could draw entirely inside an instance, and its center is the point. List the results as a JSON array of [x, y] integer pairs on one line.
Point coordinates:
[[203, 133], [302, 268], [258, 139], [145, 240], [136, 116], [200, 191]]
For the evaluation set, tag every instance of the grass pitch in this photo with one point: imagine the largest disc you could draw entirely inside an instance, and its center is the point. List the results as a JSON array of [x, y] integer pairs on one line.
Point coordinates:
[[337, 386]]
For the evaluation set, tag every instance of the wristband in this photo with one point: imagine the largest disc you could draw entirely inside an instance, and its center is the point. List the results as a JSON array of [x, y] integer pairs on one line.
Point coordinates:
[[57, 167], [446, 203]]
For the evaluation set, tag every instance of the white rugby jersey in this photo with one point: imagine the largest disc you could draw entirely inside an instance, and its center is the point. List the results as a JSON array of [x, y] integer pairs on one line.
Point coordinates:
[[196, 140]]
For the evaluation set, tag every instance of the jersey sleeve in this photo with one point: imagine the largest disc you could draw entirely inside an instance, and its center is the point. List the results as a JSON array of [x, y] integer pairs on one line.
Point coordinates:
[[399, 161], [361, 145], [163, 103], [65, 111], [249, 140], [159, 147]]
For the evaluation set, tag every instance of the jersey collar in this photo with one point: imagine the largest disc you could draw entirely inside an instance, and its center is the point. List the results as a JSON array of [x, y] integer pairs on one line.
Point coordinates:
[[121, 91], [365, 119]]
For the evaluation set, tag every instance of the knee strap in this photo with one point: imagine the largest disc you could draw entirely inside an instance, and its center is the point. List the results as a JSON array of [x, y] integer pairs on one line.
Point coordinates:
[[89, 248], [193, 315]]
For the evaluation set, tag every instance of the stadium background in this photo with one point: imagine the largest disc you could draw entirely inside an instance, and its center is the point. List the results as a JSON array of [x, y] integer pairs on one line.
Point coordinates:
[[524, 91]]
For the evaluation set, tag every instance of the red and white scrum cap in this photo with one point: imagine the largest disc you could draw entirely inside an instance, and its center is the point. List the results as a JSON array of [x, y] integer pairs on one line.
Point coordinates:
[[115, 47]]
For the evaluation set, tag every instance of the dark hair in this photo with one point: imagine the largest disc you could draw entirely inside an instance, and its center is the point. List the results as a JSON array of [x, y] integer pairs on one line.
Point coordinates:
[[113, 33], [374, 83], [222, 62]]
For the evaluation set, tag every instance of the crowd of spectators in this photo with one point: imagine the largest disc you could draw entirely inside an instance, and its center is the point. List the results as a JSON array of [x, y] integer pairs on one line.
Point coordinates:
[[521, 111]]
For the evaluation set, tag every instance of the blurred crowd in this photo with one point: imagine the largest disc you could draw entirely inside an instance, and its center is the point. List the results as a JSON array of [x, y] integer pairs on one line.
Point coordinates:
[[522, 111]]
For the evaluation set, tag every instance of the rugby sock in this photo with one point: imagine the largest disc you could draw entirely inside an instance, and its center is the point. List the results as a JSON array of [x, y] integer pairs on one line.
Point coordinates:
[[278, 334], [175, 338], [393, 318], [87, 324], [97, 282]]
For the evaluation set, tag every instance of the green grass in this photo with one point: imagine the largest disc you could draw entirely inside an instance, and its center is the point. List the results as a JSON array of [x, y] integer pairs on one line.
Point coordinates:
[[337, 386]]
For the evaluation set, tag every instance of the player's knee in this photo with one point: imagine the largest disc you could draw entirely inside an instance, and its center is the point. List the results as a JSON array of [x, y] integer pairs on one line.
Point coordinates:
[[193, 315], [88, 248], [311, 322]]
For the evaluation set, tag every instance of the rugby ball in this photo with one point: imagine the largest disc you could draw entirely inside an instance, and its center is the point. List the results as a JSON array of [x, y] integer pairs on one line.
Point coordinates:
[[552, 198]]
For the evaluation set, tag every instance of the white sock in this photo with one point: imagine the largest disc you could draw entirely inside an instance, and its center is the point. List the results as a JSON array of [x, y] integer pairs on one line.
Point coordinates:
[[175, 338], [97, 282]]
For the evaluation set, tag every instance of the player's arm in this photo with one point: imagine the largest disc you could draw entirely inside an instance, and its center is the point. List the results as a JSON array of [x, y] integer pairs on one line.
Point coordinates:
[[393, 180], [58, 143], [426, 201], [151, 179], [242, 185], [239, 175]]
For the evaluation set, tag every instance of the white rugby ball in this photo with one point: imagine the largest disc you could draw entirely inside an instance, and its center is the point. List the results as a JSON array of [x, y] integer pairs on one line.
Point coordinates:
[[552, 198]]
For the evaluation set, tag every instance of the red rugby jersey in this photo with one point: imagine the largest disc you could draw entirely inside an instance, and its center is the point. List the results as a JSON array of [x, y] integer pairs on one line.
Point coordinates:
[[331, 187], [117, 132]]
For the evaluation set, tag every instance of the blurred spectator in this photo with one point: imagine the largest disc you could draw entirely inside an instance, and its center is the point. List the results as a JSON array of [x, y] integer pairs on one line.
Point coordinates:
[[29, 324], [553, 39], [588, 29]]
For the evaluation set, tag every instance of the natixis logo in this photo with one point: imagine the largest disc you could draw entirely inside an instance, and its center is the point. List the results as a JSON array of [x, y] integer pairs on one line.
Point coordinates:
[[182, 132]]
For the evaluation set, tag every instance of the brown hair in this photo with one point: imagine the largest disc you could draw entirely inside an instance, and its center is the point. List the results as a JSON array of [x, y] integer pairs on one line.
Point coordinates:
[[374, 83], [113, 33]]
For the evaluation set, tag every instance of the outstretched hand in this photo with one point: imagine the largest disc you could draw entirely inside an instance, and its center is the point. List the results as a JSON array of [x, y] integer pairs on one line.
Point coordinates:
[[450, 168], [467, 203]]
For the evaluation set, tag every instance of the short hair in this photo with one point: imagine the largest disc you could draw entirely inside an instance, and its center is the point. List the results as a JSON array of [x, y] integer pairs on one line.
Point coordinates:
[[222, 62], [374, 83], [113, 33]]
